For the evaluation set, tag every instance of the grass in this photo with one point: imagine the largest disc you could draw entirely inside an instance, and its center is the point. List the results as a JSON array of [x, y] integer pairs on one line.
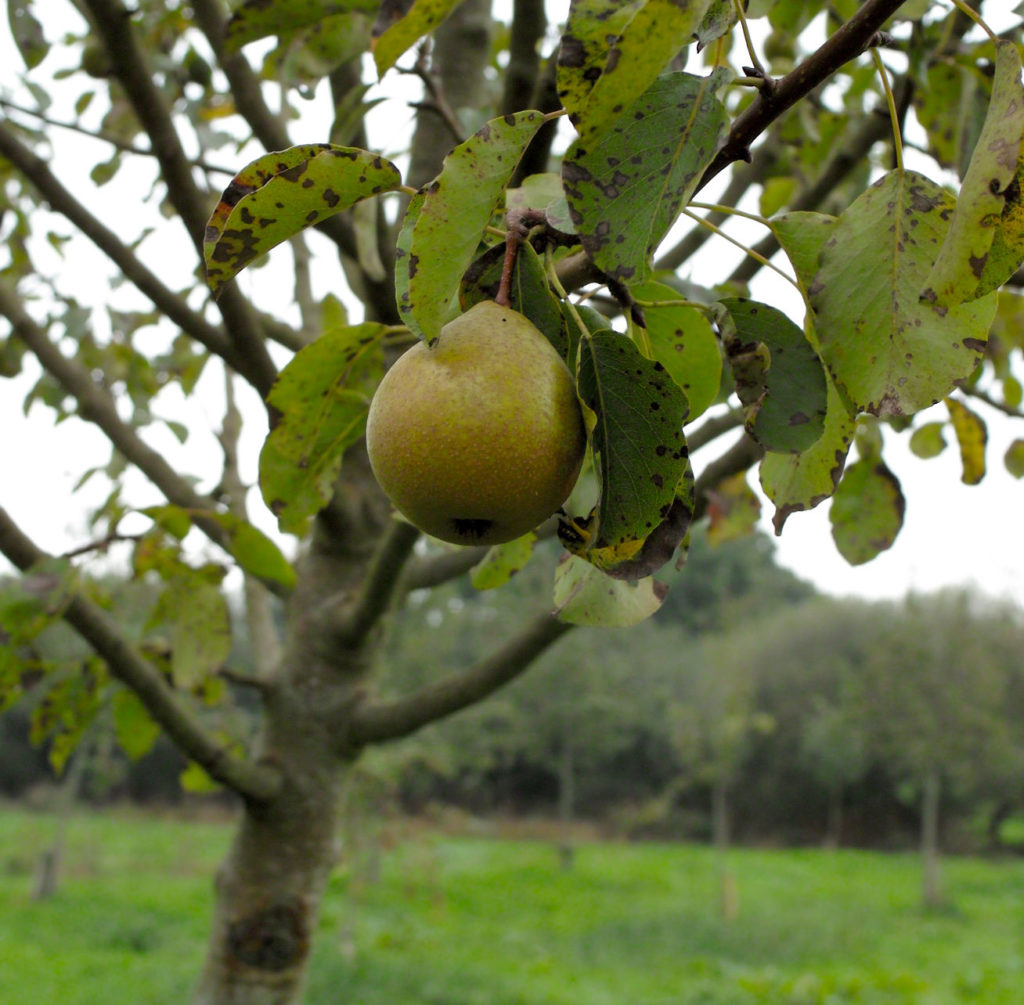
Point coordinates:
[[475, 921]]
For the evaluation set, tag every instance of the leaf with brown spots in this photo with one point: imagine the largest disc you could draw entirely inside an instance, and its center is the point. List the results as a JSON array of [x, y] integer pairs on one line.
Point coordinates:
[[633, 59], [322, 397], [583, 51], [796, 482], [890, 352], [445, 222], [790, 396], [282, 193], [394, 38], [867, 511], [972, 435], [626, 187], [991, 190], [684, 343], [640, 452]]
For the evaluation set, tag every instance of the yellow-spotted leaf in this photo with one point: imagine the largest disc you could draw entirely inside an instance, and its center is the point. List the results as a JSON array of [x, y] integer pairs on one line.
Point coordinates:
[[586, 596], [972, 435], [321, 397], [991, 190], [625, 187], [502, 562], [400, 26], [444, 223], [891, 352], [637, 438], [280, 194], [639, 51]]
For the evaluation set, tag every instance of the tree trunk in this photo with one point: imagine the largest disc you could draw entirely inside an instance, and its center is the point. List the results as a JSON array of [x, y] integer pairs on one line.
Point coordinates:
[[932, 880], [729, 900], [566, 800], [268, 889], [834, 827]]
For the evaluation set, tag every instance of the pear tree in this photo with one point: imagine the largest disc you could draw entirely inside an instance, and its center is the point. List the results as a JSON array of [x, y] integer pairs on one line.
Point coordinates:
[[441, 181]]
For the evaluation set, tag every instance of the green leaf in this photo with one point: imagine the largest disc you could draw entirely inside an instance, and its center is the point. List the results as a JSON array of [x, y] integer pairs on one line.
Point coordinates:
[[36, 599], [255, 19], [585, 596], [200, 625], [27, 32], [802, 237], [867, 511], [718, 20], [927, 441], [502, 562], [950, 104], [134, 727], [972, 435], [641, 454], [422, 18], [795, 482], [322, 397], [625, 188], [962, 271], [255, 552], [791, 396], [444, 225], [642, 49], [195, 780], [1014, 458], [684, 342], [176, 520], [891, 352], [544, 193], [280, 194]]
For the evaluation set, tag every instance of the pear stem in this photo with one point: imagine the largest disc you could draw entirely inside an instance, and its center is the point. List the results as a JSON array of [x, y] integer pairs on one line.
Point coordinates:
[[517, 228]]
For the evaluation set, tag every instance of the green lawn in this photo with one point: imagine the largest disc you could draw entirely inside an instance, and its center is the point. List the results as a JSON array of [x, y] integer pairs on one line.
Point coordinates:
[[455, 921]]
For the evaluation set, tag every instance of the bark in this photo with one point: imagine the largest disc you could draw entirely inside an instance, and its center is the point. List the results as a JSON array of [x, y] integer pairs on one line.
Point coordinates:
[[269, 888], [566, 798], [462, 47], [729, 903], [931, 889]]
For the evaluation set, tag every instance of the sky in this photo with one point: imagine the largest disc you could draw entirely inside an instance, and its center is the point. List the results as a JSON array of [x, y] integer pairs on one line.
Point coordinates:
[[953, 534]]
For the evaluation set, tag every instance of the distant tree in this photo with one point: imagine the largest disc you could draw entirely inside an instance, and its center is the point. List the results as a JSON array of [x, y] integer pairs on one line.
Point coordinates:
[[934, 691], [225, 132]]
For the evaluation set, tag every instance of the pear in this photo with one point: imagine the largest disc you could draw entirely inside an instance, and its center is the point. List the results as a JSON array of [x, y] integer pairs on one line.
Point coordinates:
[[479, 437]]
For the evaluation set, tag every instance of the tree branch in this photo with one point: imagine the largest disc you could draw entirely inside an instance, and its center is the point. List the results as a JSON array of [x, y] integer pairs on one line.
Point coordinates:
[[255, 782], [113, 23], [849, 41], [246, 92], [38, 174], [375, 722], [874, 130], [528, 25], [379, 585], [96, 405]]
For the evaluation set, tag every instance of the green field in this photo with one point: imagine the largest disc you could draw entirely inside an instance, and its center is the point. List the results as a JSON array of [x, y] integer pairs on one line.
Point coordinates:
[[458, 920]]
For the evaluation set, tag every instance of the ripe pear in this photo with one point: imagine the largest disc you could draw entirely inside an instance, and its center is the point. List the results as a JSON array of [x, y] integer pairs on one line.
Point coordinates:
[[479, 437]]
